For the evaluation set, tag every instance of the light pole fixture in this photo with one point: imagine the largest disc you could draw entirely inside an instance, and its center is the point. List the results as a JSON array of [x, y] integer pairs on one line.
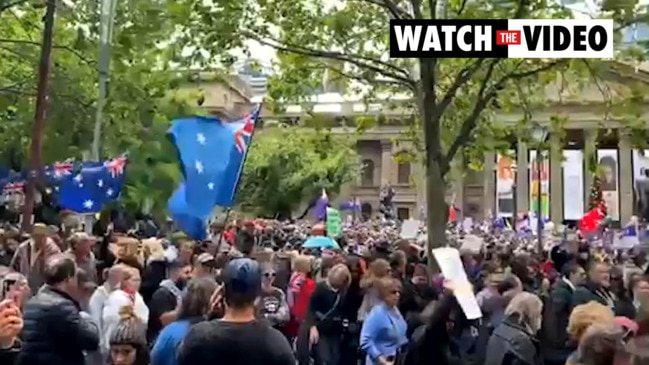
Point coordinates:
[[539, 136]]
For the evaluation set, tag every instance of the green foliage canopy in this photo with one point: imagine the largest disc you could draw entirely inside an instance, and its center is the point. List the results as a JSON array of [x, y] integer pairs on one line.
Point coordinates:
[[288, 166]]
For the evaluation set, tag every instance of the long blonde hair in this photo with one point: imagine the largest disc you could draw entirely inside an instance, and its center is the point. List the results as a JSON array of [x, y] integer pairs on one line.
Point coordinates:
[[528, 307], [585, 315], [378, 269]]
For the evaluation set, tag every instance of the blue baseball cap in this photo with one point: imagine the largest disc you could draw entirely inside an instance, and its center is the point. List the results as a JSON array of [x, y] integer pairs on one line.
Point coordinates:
[[242, 276]]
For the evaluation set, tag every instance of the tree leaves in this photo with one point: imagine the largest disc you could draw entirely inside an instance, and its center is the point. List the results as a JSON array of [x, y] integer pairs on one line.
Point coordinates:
[[288, 166]]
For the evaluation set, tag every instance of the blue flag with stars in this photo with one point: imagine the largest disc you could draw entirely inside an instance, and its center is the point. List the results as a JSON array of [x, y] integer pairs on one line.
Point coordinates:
[[194, 227], [212, 153], [87, 190]]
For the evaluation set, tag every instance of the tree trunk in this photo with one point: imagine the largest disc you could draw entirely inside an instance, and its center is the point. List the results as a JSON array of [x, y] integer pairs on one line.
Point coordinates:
[[436, 208], [436, 211]]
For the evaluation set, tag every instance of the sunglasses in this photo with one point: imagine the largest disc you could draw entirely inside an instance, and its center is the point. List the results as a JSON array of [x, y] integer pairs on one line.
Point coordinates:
[[269, 274]]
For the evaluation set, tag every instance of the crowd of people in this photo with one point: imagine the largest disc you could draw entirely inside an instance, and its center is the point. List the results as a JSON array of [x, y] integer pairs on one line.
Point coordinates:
[[252, 295]]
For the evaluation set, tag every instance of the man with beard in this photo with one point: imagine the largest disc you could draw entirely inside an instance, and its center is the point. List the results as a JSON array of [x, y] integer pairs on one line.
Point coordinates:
[[166, 299]]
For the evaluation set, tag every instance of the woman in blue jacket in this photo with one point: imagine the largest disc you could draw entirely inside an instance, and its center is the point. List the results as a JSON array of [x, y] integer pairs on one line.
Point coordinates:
[[384, 331]]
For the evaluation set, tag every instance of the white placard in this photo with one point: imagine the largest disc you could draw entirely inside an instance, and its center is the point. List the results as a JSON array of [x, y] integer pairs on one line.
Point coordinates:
[[451, 267], [409, 229], [573, 184]]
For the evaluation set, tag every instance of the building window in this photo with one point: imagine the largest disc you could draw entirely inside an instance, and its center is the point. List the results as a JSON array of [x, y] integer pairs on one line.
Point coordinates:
[[403, 171], [403, 214], [367, 176]]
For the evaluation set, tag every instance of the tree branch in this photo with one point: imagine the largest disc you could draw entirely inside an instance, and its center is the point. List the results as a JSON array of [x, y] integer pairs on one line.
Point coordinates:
[[371, 64], [462, 6], [462, 77], [416, 9], [66, 48], [521, 9], [470, 122], [393, 10], [6, 4]]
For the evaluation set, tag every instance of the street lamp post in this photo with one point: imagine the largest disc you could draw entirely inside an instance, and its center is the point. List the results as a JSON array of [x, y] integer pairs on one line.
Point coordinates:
[[539, 135]]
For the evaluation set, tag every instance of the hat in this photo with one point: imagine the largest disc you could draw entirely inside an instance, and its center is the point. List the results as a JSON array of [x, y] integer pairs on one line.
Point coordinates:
[[177, 237], [205, 259], [40, 229], [242, 276]]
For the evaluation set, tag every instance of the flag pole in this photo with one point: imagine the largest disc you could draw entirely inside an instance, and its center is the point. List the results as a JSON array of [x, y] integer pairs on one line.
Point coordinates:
[[236, 187]]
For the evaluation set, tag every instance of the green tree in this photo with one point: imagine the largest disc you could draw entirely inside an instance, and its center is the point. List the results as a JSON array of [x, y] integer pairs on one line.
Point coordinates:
[[287, 166], [142, 99], [454, 100]]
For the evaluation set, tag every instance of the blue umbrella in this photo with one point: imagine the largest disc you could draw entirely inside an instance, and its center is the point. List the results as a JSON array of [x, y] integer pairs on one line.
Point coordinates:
[[320, 242]]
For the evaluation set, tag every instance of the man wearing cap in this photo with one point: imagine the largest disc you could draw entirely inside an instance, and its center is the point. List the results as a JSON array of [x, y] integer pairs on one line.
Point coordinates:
[[80, 249], [204, 266], [238, 338], [29, 259]]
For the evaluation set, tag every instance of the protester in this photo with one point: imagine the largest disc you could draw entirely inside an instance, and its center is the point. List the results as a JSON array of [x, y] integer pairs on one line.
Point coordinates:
[[80, 249], [602, 344], [126, 295], [378, 269], [167, 298], [204, 266], [201, 298], [271, 304], [55, 331], [127, 343], [596, 287], [301, 286], [384, 329], [31, 255], [581, 318], [558, 312], [238, 338], [513, 341]]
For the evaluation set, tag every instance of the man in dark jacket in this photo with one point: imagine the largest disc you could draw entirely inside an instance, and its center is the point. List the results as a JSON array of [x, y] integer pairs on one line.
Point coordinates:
[[557, 312], [55, 331], [596, 287]]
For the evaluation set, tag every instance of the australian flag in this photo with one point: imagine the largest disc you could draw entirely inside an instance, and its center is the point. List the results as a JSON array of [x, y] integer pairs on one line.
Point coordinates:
[[89, 188], [211, 153]]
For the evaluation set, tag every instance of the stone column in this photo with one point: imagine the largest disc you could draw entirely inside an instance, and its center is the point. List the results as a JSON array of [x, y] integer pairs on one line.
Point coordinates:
[[386, 162], [489, 184], [590, 149], [556, 180], [625, 179], [522, 177]]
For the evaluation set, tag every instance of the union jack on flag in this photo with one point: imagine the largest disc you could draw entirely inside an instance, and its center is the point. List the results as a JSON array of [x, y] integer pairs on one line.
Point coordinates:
[[61, 169], [15, 187], [116, 166], [245, 131]]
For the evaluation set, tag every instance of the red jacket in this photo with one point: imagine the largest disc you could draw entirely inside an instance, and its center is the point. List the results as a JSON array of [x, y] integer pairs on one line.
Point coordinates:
[[299, 292]]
